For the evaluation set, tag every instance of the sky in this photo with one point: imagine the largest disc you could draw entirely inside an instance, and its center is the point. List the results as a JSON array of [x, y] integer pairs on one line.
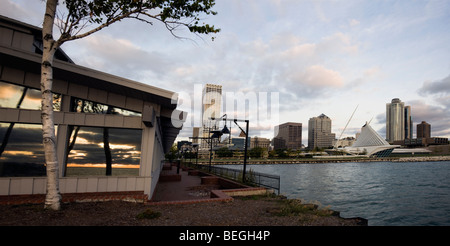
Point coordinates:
[[299, 58]]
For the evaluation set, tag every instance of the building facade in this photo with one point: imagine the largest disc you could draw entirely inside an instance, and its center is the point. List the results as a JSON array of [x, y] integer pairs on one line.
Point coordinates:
[[112, 133], [260, 143], [211, 108], [423, 130], [399, 125], [291, 134], [319, 132]]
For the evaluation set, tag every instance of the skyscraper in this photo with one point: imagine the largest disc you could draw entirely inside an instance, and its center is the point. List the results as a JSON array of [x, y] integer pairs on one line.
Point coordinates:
[[291, 134], [319, 132], [211, 107], [408, 123], [398, 121]]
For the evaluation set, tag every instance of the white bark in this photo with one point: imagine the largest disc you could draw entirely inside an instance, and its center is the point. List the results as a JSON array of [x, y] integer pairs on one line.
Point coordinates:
[[53, 197]]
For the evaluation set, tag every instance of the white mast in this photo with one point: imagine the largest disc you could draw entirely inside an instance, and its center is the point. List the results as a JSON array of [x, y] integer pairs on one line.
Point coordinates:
[[335, 146]]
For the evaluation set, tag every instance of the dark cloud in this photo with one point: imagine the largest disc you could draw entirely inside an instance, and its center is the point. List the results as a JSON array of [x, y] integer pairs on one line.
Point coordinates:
[[436, 115], [439, 87]]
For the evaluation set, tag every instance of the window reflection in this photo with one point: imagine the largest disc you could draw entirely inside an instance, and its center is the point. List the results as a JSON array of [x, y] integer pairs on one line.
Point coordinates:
[[21, 150], [86, 106], [15, 96], [93, 150]]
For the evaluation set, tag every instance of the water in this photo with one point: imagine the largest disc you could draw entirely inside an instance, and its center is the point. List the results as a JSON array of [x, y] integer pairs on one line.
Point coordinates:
[[385, 193]]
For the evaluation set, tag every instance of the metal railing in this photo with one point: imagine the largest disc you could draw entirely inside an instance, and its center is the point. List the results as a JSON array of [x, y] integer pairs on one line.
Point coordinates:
[[252, 178]]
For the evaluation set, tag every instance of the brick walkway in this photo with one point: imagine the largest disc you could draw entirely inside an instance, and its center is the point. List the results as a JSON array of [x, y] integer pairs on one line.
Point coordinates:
[[182, 187]]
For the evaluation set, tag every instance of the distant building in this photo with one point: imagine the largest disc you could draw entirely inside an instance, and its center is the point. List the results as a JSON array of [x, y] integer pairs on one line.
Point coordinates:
[[259, 142], [212, 103], [238, 143], [291, 134], [399, 125], [422, 142], [408, 123], [278, 143], [196, 134], [423, 130], [319, 132]]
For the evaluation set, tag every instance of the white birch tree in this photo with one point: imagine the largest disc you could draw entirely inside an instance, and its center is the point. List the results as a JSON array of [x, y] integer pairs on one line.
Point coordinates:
[[84, 18]]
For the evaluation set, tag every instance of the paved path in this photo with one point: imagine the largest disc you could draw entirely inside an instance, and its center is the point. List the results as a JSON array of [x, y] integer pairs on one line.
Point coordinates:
[[188, 188]]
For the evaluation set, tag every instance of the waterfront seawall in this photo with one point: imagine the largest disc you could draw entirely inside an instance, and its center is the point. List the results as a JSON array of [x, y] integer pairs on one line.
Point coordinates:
[[328, 160]]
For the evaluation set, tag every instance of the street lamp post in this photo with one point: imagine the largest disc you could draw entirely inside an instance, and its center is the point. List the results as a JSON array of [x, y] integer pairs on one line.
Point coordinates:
[[195, 146], [245, 147], [224, 118]]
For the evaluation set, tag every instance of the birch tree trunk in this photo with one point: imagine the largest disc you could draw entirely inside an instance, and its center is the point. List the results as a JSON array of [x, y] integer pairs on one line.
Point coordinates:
[[53, 197]]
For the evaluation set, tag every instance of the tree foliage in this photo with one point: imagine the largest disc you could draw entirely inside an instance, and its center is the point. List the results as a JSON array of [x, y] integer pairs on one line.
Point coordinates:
[[224, 152], [102, 13], [256, 152]]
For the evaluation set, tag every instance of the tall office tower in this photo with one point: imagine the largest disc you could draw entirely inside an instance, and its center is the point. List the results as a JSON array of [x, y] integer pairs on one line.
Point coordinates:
[[319, 132], [408, 123], [212, 103], [398, 121], [195, 134], [423, 130], [291, 134]]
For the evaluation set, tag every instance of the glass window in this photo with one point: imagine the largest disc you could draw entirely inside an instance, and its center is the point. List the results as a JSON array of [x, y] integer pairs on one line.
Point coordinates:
[[86, 106], [94, 151], [21, 150], [15, 96]]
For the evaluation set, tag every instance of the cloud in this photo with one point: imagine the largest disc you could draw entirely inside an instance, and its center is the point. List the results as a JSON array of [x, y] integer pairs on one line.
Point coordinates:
[[121, 57], [317, 77], [353, 22], [439, 87], [439, 90], [32, 11]]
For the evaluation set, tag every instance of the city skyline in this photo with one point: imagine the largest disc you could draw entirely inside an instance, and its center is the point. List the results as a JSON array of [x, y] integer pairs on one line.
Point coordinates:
[[321, 56]]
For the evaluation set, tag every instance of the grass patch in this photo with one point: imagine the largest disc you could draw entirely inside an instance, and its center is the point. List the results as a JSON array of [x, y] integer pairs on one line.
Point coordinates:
[[294, 207], [268, 195], [148, 214]]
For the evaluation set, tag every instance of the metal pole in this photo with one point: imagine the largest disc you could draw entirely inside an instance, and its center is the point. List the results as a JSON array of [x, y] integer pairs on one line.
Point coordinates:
[[210, 153], [196, 157], [245, 151]]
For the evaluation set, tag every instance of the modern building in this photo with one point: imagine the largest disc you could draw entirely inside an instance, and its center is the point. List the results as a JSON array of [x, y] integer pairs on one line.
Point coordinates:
[[111, 132], [278, 143], [399, 125], [423, 130], [370, 143], [211, 108], [319, 132], [291, 133], [408, 123]]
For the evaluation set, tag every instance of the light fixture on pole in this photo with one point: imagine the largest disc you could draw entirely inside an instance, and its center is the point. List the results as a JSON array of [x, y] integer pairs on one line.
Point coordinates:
[[226, 131]]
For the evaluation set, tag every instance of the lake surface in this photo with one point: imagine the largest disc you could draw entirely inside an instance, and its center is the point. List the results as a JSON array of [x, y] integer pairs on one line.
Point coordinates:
[[385, 193]]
